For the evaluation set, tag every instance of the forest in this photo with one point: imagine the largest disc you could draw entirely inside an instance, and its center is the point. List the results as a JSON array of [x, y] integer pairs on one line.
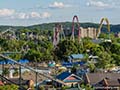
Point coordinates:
[[49, 26]]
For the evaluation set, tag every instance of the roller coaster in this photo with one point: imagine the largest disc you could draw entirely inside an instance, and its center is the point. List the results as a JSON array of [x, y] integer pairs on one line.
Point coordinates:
[[101, 24], [32, 69], [8, 30], [58, 29], [59, 33], [73, 30]]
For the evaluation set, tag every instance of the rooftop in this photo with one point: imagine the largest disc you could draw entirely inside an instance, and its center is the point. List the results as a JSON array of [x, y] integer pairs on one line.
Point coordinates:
[[97, 78], [77, 56], [63, 75]]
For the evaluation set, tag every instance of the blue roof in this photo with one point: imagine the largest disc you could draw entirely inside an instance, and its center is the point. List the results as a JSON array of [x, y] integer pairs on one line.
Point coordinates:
[[81, 63], [6, 62], [67, 64], [10, 62], [77, 56], [23, 61], [2, 62], [63, 75]]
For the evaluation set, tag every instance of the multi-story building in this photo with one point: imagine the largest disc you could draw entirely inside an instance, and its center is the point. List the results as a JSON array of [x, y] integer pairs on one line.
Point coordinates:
[[88, 32], [85, 32]]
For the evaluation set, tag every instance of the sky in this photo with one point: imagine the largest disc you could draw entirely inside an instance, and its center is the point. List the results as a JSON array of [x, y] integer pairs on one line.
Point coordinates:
[[31, 12]]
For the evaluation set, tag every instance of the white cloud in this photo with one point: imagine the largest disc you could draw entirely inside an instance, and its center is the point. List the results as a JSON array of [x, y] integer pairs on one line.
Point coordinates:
[[12, 14], [58, 5], [97, 3], [6, 12], [35, 15], [45, 15], [39, 15], [22, 16]]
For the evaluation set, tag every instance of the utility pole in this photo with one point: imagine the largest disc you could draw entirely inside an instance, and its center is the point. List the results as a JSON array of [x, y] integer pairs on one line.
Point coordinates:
[[20, 77]]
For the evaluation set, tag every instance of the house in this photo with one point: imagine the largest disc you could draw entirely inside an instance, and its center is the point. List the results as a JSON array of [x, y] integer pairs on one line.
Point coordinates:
[[69, 78], [75, 57], [103, 81]]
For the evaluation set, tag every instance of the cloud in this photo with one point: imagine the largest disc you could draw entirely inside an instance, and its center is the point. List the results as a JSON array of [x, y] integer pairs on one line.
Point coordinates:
[[35, 15], [39, 15], [97, 3], [32, 15], [6, 12], [12, 14], [22, 16], [58, 5], [45, 15]]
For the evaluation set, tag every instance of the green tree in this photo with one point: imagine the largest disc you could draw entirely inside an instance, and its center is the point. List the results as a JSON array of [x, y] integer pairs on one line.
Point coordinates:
[[6, 71], [33, 55], [9, 87], [105, 61], [116, 58], [65, 48], [86, 87], [91, 66], [115, 48], [96, 49], [106, 46]]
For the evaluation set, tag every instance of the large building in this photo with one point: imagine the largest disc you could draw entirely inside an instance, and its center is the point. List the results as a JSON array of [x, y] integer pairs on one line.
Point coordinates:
[[85, 32], [88, 32]]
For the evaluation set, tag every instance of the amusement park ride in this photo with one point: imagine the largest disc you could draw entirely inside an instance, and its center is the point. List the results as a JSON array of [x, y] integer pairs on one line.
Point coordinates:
[[58, 29], [73, 30], [59, 32], [58, 35], [11, 33], [101, 24]]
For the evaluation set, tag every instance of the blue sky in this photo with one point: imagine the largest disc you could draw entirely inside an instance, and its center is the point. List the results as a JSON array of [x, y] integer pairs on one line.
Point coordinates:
[[30, 12]]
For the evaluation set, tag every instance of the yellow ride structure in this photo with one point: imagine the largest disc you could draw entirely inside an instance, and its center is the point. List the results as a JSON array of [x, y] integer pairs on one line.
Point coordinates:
[[101, 24]]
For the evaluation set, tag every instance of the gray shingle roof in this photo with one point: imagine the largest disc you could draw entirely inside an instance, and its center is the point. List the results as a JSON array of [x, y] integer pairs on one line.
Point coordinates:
[[113, 79]]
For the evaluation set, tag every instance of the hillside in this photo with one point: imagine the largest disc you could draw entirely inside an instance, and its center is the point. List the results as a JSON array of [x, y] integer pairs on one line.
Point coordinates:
[[49, 26]]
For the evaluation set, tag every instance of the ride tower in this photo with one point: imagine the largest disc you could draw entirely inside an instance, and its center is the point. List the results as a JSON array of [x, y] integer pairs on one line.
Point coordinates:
[[58, 34], [73, 29], [101, 24]]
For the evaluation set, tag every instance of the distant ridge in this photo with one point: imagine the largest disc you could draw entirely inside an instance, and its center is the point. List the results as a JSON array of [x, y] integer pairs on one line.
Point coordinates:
[[49, 26]]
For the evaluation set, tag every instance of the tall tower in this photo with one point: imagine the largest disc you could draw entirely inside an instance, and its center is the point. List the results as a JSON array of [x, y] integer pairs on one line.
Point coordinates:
[[58, 34], [101, 24], [73, 31]]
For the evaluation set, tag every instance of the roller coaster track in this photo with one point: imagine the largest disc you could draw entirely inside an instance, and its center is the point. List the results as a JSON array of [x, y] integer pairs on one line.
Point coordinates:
[[8, 30], [34, 70], [4, 78], [79, 32], [58, 34], [101, 24]]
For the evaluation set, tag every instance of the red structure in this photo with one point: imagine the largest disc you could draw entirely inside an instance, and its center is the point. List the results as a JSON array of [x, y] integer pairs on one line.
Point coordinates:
[[56, 37], [59, 33], [75, 17]]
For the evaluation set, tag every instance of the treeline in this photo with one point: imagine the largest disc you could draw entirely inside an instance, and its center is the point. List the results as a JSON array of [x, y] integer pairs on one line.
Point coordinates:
[[43, 51], [66, 25]]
